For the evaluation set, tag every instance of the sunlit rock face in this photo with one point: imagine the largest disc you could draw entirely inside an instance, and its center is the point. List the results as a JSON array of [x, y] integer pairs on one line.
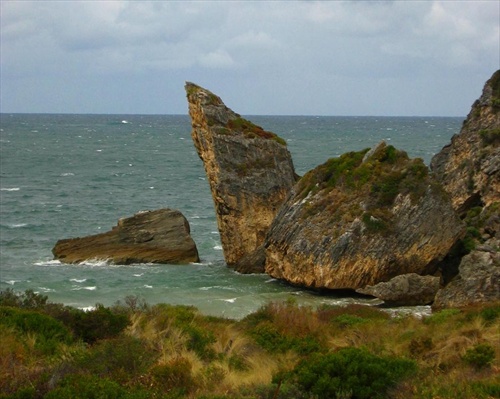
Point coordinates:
[[361, 219], [250, 172], [160, 236]]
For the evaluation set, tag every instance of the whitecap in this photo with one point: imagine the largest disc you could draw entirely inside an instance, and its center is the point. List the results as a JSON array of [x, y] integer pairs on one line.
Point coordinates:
[[67, 174], [218, 247], [98, 150], [45, 289], [230, 300], [77, 280], [87, 308], [95, 262], [48, 262], [10, 189], [138, 275], [11, 282], [89, 288], [17, 225], [148, 286], [125, 122], [151, 188], [270, 280]]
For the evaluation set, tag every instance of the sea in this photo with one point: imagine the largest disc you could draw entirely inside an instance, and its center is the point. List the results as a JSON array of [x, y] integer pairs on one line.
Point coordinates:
[[68, 175]]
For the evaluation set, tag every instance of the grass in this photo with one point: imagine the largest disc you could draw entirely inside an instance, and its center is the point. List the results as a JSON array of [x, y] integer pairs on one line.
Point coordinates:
[[169, 351]]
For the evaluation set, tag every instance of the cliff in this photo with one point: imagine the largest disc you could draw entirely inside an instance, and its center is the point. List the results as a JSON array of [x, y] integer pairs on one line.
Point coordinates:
[[160, 236], [250, 172], [361, 219], [469, 167]]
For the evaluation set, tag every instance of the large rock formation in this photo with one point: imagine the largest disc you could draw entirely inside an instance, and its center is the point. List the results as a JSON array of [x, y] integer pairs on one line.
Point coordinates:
[[405, 290], [478, 280], [361, 219], [469, 170], [250, 172], [160, 236], [469, 167]]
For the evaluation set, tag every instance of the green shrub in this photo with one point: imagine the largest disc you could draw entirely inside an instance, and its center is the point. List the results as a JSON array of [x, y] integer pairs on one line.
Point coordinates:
[[174, 376], [49, 333], [93, 387], [120, 359], [352, 373], [480, 356], [93, 325], [27, 300]]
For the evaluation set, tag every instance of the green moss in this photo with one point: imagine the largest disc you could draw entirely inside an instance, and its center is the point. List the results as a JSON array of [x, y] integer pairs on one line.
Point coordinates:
[[490, 136], [251, 130]]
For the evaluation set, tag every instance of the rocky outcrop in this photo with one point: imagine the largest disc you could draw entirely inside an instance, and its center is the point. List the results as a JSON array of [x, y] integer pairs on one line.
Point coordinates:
[[161, 236], [250, 172], [405, 290], [469, 167], [362, 219], [478, 280]]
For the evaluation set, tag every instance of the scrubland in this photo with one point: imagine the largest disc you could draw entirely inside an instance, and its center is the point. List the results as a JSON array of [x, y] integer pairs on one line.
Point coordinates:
[[134, 350]]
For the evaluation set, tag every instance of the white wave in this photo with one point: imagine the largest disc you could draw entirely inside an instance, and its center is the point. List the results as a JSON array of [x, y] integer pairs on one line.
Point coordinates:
[[78, 280], [151, 188], [16, 225], [125, 122], [230, 300], [87, 308], [11, 282], [138, 275], [89, 288], [270, 280], [95, 262], [10, 189], [45, 289], [218, 247], [148, 286], [47, 262], [67, 174]]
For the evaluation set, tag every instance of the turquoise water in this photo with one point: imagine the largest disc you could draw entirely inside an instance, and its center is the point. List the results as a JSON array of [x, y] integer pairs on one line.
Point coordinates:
[[73, 175]]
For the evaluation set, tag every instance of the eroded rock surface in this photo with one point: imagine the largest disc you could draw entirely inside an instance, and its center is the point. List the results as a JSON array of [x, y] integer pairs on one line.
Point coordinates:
[[160, 236], [405, 290], [469, 167], [250, 172], [478, 280], [362, 219]]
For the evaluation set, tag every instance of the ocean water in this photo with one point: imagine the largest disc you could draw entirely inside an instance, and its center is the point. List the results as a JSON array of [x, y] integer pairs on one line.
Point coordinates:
[[66, 176]]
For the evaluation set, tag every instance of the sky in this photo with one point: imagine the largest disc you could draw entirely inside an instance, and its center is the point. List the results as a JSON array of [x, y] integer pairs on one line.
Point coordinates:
[[380, 58]]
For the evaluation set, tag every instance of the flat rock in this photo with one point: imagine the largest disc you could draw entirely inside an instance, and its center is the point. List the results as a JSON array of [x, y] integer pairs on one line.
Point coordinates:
[[160, 236], [250, 172], [405, 290]]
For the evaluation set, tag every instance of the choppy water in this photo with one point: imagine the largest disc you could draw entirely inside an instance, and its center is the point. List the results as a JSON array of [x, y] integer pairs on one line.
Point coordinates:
[[73, 175]]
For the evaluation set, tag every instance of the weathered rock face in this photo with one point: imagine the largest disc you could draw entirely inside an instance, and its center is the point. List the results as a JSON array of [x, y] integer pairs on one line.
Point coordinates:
[[160, 236], [362, 219], [405, 290], [469, 167], [478, 280], [250, 172]]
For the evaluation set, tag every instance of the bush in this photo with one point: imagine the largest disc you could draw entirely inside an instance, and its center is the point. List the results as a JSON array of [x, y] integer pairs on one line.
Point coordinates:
[[174, 376], [90, 326], [350, 372], [49, 332], [480, 356]]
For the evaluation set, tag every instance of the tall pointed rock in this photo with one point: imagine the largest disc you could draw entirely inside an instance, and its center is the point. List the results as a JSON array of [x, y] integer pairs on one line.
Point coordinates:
[[250, 172]]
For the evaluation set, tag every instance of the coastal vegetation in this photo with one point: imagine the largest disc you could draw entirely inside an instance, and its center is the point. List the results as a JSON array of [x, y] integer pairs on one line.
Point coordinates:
[[135, 350]]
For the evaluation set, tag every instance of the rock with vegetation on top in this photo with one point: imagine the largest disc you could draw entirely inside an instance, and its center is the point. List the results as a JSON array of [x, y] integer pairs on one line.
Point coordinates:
[[362, 219], [405, 290], [478, 280], [160, 236], [250, 172], [469, 167]]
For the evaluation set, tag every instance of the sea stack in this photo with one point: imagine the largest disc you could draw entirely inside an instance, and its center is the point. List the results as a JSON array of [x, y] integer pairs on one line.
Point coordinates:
[[250, 172], [160, 236]]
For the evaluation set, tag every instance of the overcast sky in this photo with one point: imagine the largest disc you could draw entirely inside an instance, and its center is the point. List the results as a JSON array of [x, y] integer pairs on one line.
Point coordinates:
[[426, 58]]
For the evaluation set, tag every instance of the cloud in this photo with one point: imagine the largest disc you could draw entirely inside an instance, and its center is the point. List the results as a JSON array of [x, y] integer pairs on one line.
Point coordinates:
[[318, 53]]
